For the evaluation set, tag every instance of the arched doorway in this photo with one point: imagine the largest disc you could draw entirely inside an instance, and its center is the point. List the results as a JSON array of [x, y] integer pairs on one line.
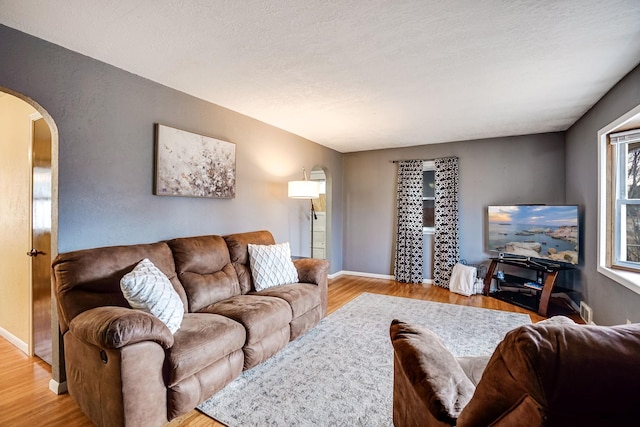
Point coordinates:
[[28, 201]]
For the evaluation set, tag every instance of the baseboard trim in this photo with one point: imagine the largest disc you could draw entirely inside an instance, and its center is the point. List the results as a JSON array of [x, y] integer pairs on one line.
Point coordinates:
[[22, 346], [359, 273], [56, 387]]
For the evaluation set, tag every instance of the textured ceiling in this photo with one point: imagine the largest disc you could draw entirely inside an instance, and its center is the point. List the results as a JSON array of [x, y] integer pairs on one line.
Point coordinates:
[[356, 75]]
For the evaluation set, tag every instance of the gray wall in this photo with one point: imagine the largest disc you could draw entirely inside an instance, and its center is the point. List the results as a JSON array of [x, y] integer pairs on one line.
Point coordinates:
[[612, 303], [523, 169], [105, 118]]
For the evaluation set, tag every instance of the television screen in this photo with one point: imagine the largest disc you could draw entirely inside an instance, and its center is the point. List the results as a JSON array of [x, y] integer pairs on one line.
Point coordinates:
[[534, 231]]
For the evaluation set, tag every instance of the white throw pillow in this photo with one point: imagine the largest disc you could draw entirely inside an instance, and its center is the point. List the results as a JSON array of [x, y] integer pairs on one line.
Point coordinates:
[[271, 265], [148, 289]]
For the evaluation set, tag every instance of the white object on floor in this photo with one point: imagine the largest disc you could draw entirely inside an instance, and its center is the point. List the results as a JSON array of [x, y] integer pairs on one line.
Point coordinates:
[[462, 279], [478, 286]]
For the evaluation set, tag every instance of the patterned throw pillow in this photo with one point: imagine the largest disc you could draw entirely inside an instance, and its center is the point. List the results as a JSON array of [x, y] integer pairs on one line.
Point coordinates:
[[148, 289], [271, 265]]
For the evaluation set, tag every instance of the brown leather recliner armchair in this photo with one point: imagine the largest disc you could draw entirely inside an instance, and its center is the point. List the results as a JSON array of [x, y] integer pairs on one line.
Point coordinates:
[[553, 373]]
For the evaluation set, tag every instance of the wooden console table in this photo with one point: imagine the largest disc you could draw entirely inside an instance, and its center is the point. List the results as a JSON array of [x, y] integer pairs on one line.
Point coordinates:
[[540, 289]]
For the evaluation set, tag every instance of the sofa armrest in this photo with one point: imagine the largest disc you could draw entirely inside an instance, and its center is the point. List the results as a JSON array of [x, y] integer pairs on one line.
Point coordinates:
[[312, 270], [116, 327], [429, 384]]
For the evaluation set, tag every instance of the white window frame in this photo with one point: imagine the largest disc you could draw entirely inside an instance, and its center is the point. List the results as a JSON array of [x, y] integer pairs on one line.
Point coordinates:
[[620, 142], [608, 226]]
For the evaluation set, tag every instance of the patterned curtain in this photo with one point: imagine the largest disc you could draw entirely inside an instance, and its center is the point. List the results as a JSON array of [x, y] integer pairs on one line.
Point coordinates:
[[408, 261], [446, 250]]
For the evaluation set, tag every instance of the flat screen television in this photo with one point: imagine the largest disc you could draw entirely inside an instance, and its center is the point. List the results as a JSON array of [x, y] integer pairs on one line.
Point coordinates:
[[534, 231]]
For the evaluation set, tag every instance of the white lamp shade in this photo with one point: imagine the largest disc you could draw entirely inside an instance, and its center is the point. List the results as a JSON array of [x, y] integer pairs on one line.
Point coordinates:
[[304, 190]]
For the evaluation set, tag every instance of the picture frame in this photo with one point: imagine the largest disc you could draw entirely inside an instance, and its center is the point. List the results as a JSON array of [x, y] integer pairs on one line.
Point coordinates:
[[192, 165]]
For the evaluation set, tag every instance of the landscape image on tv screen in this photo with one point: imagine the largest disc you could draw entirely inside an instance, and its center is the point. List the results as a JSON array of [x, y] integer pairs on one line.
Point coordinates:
[[546, 232]]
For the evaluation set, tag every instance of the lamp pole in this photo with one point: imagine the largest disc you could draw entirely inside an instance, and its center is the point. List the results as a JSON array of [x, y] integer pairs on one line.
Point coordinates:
[[313, 218]]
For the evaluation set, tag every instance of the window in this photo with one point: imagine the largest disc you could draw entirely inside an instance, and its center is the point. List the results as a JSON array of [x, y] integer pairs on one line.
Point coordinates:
[[625, 199], [619, 200], [428, 194]]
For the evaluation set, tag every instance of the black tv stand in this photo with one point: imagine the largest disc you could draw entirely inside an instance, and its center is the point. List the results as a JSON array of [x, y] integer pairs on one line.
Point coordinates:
[[539, 291]]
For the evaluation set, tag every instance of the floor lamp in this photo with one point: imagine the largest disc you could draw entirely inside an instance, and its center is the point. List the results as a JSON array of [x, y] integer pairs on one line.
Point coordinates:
[[305, 189]]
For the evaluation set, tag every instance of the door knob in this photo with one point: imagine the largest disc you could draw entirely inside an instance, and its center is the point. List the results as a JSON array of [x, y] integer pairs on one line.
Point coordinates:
[[35, 252]]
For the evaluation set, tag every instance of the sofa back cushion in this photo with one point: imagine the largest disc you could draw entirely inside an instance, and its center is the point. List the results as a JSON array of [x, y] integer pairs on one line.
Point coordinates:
[[90, 278], [204, 269], [425, 370], [239, 253]]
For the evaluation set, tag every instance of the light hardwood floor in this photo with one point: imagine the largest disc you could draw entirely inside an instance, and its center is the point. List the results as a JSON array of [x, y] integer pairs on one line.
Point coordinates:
[[25, 399]]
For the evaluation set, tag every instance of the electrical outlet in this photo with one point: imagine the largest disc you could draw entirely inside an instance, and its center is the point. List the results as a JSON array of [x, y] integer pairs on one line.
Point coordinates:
[[628, 322], [586, 313]]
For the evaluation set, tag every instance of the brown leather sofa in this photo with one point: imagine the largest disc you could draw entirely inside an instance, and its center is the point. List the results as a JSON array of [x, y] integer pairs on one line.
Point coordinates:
[[124, 367], [553, 373]]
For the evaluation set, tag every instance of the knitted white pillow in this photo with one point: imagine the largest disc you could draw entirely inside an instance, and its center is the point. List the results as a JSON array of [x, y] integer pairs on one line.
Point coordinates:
[[148, 289], [271, 265]]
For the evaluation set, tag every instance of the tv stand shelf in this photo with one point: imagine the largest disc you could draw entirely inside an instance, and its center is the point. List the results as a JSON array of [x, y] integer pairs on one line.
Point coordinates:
[[539, 291]]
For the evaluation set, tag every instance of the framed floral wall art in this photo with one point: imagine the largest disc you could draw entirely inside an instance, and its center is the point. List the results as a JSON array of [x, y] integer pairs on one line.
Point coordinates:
[[192, 165]]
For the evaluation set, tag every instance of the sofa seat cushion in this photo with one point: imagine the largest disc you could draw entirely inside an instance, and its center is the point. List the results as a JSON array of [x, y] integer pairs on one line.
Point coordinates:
[[202, 340], [302, 297], [473, 366], [260, 315]]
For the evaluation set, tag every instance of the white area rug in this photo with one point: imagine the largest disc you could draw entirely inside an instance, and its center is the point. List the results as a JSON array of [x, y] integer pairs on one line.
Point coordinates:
[[341, 372]]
